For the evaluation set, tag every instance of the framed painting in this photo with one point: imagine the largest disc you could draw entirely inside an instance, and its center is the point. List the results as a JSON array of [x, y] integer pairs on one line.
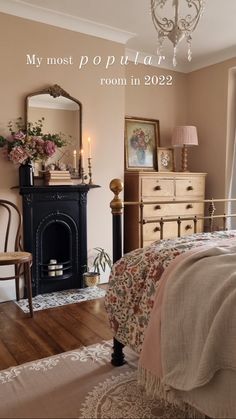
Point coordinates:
[[165, 159], [141, 141]]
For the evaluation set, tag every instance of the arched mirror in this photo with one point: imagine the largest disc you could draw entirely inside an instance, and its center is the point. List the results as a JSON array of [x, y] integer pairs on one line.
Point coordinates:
[[61, 114]]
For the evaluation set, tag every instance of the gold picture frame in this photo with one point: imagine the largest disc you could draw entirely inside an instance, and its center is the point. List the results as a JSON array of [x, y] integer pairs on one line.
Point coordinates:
[[142, 137], [165, 159]]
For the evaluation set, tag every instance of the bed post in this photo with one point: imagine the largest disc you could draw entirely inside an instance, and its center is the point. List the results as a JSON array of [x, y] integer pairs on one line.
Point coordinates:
[[116, 186]]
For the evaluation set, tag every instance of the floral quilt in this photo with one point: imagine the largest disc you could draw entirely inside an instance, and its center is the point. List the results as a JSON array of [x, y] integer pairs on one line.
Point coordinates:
[[134, 280]]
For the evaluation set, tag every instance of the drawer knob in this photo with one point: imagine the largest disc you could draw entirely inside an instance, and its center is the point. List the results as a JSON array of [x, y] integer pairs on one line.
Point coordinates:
[[156, 229], [157, 207], [157, 188], [188, 227], [189, 206], [189, 188]]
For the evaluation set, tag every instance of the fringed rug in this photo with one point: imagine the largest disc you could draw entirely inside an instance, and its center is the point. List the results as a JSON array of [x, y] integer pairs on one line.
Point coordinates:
[[79, 384], [61, 298]]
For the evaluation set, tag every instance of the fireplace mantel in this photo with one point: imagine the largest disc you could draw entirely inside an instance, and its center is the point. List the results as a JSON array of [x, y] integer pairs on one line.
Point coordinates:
[[55, 227]]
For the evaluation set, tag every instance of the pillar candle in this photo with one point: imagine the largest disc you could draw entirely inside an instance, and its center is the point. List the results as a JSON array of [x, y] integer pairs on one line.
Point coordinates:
[[74, 159], [89, 148], [82, 158]]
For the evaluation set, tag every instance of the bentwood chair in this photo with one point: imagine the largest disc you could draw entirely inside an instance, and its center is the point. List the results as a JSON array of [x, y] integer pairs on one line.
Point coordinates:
[[11, 221]]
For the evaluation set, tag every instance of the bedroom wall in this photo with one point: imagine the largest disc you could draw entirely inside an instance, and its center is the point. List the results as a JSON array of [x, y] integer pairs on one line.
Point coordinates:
[[208, 92], [166, 103], [103, 107]]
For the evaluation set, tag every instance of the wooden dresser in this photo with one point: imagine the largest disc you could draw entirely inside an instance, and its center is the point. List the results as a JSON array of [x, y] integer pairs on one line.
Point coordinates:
[[159, 187]]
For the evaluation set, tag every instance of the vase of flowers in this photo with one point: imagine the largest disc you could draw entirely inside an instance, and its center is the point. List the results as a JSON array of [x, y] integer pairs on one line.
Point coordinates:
[[26, 174], [28, 144]]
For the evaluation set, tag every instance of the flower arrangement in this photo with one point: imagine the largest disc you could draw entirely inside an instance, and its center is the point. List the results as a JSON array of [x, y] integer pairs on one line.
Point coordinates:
[[30, 143], [140, 141]]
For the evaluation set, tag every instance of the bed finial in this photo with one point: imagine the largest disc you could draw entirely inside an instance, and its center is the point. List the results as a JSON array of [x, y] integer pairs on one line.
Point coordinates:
[[211, 210], [116, 186]]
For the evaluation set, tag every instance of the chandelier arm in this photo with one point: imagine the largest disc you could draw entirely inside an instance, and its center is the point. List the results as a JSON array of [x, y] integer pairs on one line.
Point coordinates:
[[164, 24], [199, 5]]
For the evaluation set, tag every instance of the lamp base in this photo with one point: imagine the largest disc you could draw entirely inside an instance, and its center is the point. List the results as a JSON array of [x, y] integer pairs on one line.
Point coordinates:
[[184, 159]]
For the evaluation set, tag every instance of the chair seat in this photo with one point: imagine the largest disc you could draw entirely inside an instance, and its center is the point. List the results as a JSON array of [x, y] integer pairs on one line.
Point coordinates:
[[10, 258]]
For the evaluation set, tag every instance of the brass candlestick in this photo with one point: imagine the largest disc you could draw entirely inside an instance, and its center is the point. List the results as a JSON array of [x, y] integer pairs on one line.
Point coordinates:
[[90, 171], [82, 175]]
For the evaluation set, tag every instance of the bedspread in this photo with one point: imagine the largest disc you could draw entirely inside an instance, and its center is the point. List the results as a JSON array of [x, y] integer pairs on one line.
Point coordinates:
[[134, 280]]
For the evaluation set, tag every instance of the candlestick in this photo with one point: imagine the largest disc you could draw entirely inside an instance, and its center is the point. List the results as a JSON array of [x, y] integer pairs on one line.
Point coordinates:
[[90, 170], [89, 148], [82, 175], [74, 159]]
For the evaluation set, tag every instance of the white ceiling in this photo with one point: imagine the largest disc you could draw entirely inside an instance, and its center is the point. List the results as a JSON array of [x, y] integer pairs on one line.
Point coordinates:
[[129, 22]]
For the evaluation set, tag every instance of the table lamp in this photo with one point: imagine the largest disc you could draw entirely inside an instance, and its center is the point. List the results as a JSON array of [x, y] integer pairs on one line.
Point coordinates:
[[184, 136]]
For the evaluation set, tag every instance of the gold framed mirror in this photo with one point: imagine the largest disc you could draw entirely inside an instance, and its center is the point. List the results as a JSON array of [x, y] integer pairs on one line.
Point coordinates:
[[62, 114]]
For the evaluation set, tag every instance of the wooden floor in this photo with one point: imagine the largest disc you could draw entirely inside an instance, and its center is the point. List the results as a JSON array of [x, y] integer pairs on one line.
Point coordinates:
[[51, 331]]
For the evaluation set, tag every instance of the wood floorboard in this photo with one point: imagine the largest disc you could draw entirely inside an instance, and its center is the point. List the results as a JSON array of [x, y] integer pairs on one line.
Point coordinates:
[[51, 331]]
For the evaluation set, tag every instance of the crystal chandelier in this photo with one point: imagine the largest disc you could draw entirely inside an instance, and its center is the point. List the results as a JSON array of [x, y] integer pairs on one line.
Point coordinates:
[[177, 28]]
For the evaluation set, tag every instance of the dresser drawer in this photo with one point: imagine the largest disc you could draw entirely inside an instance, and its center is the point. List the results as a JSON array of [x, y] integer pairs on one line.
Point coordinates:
[[151, 231], [164, 210], [152, 187], [190, 187], [187, 227]]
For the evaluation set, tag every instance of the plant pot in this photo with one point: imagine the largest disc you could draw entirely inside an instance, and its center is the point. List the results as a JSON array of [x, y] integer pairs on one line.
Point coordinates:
[[91, 279]]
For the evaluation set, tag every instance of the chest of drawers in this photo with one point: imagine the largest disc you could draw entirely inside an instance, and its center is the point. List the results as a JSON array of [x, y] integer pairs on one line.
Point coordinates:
[[159, 187]]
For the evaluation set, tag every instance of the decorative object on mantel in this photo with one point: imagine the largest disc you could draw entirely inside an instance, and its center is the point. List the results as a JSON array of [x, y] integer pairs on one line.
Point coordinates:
[[57, 177], [179, 27], [184, 136], [27, 144], [26, 174], [100, 261]]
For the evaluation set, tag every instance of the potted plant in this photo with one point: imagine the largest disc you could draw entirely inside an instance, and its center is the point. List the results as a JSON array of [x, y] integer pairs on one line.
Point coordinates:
[[100, 262]]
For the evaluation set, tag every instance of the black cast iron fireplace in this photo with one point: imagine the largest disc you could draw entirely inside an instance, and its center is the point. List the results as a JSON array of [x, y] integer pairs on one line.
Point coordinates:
[[55, 232]]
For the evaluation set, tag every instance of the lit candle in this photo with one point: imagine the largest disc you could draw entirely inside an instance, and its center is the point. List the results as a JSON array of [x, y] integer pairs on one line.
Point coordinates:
[[74, 159], [89, 147], [82, 158]]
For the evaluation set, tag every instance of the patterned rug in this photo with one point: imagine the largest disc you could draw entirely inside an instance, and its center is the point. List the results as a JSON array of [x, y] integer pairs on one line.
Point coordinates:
[[79, 384], [61, 298]]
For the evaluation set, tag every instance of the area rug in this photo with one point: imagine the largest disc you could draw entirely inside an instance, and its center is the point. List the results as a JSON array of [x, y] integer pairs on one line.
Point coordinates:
[[61, 298], [79, 384]]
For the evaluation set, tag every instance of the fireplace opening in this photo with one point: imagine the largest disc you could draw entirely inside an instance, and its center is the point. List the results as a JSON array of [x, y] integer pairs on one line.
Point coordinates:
[[56, 260], [58, 255]]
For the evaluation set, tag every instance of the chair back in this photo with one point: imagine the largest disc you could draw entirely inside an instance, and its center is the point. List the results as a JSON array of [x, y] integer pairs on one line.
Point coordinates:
[[10, 226]]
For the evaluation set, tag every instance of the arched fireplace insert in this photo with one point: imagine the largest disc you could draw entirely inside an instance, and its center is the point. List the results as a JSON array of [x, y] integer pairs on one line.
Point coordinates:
[[55, 232]]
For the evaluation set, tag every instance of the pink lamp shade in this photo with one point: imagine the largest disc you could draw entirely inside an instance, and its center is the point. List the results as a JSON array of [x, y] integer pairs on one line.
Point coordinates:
[[184, 136]]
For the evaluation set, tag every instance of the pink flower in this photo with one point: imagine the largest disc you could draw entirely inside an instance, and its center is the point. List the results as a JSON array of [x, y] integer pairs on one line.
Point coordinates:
[[49, 148], [18, 155], [19, 135]]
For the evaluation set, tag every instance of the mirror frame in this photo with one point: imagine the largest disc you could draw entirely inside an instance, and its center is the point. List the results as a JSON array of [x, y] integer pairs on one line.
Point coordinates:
[[56, 91]]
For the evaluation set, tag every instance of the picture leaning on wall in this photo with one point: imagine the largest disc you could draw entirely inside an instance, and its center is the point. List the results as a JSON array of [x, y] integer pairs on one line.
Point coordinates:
[[141, 141]]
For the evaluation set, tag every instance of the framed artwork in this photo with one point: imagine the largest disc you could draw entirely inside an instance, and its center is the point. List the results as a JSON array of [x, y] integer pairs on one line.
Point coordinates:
[[141, 141], [165, 159]]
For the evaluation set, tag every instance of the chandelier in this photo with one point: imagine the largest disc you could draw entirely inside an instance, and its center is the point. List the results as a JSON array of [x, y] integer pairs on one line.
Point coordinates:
[[179, 27]]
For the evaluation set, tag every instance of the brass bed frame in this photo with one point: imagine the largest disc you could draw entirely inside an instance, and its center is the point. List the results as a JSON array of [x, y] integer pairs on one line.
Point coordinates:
[[117, 205]]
